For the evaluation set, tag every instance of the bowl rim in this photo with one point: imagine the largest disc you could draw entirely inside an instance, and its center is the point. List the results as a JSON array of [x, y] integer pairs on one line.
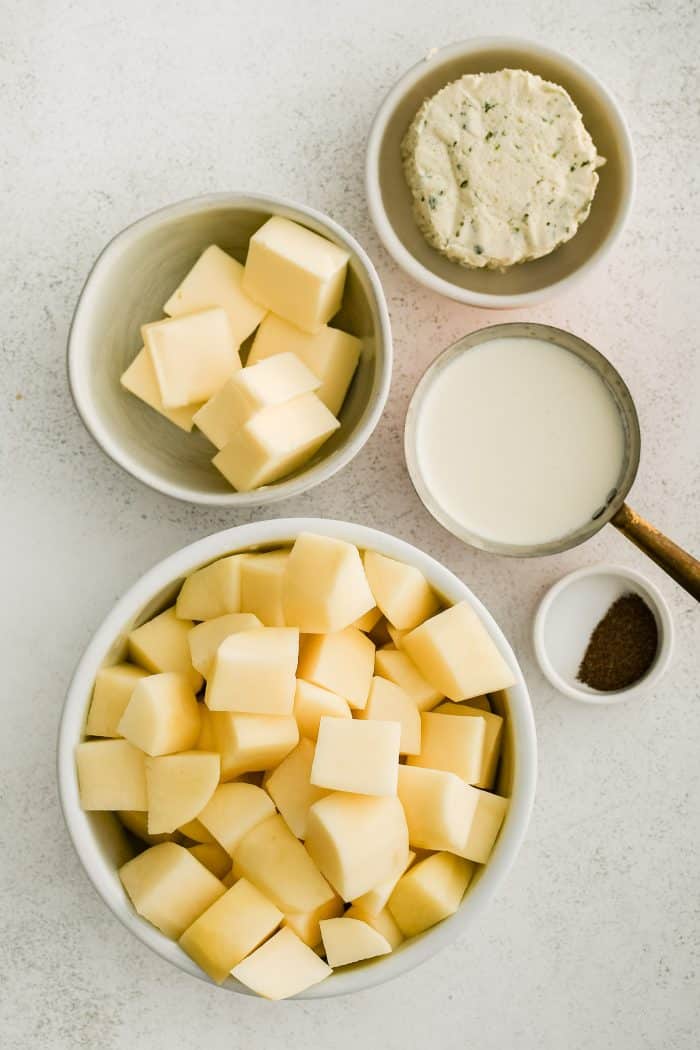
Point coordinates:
[[284, 489], [663, 618], [393, 244], [171, 569]]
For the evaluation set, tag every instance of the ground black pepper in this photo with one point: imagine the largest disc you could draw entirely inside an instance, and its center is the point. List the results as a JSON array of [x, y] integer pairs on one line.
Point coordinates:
[[622, 647]]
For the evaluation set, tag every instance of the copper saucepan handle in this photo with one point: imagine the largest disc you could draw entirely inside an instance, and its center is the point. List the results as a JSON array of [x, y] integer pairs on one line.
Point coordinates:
[[680, 566]]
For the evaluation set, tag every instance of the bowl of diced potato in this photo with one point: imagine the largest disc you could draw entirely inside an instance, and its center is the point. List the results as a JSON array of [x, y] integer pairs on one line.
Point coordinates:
[[231, 350], [297, 758]]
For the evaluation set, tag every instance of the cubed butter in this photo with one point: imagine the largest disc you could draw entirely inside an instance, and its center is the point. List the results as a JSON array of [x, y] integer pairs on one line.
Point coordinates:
[[281, 967], [375, 899], [212, 591], [306, 924], [388, 703], [205, 638], [311, 703], [233, 810], [140, 379], [111, 775], [493, 731], [290, 788], [342, 662], [192, 356], [326, 589], [162, 715], [262, 586], [357, 756], [295, 273], [453, 744], [162, 644], [438, 809], [248, 743], [178, 787], [112, 692], [254, 672], [400, 669], [488, 816], [401, 591], [213, 856], [383, 922], [429, 892], [350, 940]]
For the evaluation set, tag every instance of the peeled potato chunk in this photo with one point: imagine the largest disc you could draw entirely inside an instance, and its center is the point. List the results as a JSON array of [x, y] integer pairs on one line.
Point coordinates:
[[250, 742], [205, 638], [493, 730], [162, 644], [429, 892], [111, 775], [231, 928], [195, 830], [307, 925], [254, 672], [453, 744], [383, 922], [388, 703], [178, 787], [233, 810], [290, 788], [369, 621], [325, 587], [311, 703], [350, 940], [400, 669], [262, 586], [169, 887], [375, 899], [401, 591], [489, 813], [357, 756], [438, 808], [112, 692], [212, 591], [162, 715], [281, 967], [136, 821], [342, 662], [213, 856]]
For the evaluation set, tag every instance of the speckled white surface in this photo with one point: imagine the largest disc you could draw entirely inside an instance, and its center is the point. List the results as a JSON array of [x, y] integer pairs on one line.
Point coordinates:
[[110, 110]]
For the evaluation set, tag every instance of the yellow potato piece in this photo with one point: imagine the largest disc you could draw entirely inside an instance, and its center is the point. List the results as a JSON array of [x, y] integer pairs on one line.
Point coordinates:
[[136, 821], [326, 588], [205, 638], [111, 775], [162, 644], [307, 925], [248, 743], [389, 703], [290, 788], [493, 731], [233, 810], [357, 756], [383, 922], [369, 621], [401, 591], [341, 662], [438, 808], [350, 940], [455, 745], [178, 787], [162, 715], [195, 830], [311, 703], [399, 669], [214, 858], [489, 813], [254, 672], [262, 586], [112, 692], [212, 591], [375, 899], [281, 967], [429, 892]]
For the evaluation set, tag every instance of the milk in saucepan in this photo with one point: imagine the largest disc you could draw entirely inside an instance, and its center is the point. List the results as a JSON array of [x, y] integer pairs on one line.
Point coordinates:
[[520, 441]]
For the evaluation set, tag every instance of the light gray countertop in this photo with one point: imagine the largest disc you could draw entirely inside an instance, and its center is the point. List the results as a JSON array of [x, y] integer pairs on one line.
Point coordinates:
[[110, 110]]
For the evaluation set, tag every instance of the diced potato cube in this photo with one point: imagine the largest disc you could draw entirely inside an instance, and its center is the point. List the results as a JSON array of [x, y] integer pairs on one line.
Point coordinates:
[[357, 841], [331, 354], [206, 741], [388, 703], [231, 928], [290, 788], [206, 637], [395, 634], [140, 380], [275, 442], [311, 703], [342, 662], [375, 899], [369, 621], [429, 892], [326, 588], [195, 830], [162, 715], [213, 856], [212, 591], [250, 742], [453, 744], [350, 940], [307, 925], [111, 775], [455, 652], [262, 586], [357, 756], [112, 692], [281, 967], [295, 273], [401, 591], [136, 821], [230, 879], [493, 730], [278, 864], [438, 809], [254, 672], [162, 644], [489, 813], [482, 702], [233, 810], [383, 922], [178, 787], [192, 356], [169, 887], [216, 279], [398, 668]]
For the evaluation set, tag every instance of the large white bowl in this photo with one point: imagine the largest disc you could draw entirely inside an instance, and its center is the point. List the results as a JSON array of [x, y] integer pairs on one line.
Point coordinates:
[[101, 844], [127, 286]]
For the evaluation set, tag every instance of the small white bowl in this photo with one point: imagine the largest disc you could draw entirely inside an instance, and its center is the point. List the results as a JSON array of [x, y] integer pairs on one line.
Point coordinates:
[[102, 847], [568, 614], [391, 205], [127, 286]]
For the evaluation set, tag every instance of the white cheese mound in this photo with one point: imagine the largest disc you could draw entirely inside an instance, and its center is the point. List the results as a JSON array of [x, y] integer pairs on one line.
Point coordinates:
[[501, 168]]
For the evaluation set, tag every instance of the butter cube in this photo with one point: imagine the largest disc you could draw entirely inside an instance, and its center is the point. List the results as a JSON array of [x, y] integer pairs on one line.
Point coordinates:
[[307, 925], [326, 589], [111, 775], [169, 887], [349, 940], [213, 856], [357, 756], [140, 379], [438, 809], [225, 413], [388, 703], [281, 967], [429, 892], [162, 644], [331, 355], [192, 356], [275, 442], [342, 662], [205, 638], [455, 745], [375, 900], [493, 731], [296, 273], [401, 591], [162, 715], [383, 922], [262, 586], [454, 651], [250, 742], [489, 813], [290, 788], [212, 591], [311, 703], [233, 810], [357, 841], [254, 672], [216, 279], [276, 862], [112, 692], [231, 928], [178, 787], [400, 669]]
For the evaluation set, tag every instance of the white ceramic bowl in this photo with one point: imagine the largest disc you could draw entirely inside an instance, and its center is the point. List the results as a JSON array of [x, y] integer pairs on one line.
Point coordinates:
[[390, 201], [127, 286], [568, 614], [102, 847]]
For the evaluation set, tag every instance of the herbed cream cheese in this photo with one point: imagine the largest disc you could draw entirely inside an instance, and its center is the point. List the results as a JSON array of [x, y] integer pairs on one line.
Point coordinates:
[[501, 168]]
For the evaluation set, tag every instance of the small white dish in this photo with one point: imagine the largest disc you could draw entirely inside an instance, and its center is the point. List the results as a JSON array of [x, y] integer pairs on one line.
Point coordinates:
[[570, 611]]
